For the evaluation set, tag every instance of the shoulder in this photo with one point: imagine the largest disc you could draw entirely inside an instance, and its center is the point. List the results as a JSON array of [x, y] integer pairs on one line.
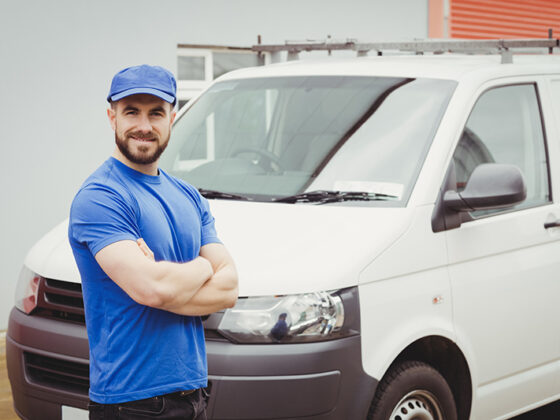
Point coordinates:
[[183, 185], [103, 186]]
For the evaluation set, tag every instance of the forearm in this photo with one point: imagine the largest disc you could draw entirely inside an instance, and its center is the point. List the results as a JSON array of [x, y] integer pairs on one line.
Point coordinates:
[[218, 293], [163, 285], [175, 284]]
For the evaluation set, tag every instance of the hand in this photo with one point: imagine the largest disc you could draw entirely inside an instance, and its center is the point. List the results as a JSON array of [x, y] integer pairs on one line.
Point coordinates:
[[144, 248]]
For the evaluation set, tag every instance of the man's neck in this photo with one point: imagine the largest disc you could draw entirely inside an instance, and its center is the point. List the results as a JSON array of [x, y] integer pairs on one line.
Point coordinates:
[[148, 168]]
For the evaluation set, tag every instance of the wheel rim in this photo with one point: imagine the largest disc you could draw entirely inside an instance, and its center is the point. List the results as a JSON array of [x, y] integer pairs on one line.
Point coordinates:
[[417, 405]]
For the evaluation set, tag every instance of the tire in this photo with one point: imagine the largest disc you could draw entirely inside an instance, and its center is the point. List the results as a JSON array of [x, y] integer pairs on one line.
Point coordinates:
[[413, 390]]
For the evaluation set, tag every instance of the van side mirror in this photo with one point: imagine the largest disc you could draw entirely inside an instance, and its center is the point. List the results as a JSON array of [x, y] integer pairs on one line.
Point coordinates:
[[490, 186]]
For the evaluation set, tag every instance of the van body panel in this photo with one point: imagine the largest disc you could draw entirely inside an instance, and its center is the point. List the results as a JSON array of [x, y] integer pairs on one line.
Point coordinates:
[[412, 276], [500, 266], [517, 392], [418, 316], [257, 381], [418, 249], [328, 246], [552, 88], [35, 397], [315, 239], [52, 256], [549, 92]]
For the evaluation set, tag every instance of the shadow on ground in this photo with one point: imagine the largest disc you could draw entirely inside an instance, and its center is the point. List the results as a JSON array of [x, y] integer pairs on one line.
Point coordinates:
[[549, 412]]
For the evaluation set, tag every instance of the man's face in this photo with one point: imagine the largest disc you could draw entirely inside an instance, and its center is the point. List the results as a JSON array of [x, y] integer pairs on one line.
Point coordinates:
[[142, 125]]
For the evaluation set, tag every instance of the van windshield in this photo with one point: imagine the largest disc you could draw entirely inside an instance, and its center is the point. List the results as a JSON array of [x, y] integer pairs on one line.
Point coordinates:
[[274, 139]]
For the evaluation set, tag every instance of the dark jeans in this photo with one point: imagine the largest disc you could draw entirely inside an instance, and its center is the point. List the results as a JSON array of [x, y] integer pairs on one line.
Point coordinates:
[[178, 405]]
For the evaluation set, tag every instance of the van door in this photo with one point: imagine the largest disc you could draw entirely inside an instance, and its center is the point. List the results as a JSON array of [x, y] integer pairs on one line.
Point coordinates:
[[504, 265]]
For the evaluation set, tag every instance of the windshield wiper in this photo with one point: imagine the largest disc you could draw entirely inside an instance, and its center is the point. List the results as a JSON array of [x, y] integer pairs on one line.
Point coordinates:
[[326, 196], [219, 194]]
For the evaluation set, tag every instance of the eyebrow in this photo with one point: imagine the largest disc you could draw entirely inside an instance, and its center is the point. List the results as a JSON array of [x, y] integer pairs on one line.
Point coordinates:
[[158, 108], [130, 108]]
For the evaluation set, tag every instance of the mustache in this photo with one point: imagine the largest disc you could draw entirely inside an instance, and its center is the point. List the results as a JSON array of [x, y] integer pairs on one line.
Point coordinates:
[[142, 135]]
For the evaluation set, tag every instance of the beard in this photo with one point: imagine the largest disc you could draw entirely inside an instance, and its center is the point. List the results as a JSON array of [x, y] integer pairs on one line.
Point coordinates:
[[144, 154]]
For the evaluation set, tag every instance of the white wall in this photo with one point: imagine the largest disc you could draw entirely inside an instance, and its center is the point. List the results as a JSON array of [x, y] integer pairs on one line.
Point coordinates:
[[57, 59]]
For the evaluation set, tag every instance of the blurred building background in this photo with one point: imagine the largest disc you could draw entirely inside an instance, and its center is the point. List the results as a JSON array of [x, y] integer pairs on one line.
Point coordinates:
[[491, 19], [58, 58]]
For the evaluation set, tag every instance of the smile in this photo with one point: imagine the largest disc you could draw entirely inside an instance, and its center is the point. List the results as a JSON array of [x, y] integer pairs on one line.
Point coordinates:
[[144, 140]]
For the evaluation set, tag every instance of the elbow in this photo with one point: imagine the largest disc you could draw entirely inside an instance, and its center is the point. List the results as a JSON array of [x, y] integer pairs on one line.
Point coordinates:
[[231, 298], [229, 292], [233, 292], [153, 297], [154, 301]]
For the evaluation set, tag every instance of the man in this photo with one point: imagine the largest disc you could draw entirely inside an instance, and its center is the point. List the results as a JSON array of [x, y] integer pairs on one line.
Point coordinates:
[[150, 262]]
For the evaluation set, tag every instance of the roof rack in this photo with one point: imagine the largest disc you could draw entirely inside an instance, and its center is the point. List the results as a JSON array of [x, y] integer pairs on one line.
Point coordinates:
[[485, 46]]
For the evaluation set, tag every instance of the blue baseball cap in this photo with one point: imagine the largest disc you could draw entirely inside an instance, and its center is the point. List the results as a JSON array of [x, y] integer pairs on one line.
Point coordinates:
[[153, 80]]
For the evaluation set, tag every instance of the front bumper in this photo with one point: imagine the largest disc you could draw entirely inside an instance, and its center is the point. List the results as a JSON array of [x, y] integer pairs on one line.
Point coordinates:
[[318, 380], [314, 380], [36, 394]]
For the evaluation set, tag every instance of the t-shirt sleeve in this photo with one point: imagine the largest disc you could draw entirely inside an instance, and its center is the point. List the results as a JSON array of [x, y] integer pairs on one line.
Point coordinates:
[[100, 216], [208, 234]]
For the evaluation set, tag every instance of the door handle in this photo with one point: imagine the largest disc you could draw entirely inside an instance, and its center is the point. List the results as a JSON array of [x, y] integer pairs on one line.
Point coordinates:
[[555, 223]]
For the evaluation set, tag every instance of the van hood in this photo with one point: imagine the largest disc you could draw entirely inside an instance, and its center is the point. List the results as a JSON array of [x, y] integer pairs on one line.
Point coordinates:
[[277, 248]]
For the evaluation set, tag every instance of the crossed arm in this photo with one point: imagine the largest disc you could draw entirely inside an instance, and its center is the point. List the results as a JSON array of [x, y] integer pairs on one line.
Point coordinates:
[[198, 287]]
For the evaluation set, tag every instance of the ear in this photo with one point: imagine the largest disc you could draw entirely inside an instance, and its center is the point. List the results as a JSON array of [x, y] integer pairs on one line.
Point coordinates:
[[112, 117], [173, 115]]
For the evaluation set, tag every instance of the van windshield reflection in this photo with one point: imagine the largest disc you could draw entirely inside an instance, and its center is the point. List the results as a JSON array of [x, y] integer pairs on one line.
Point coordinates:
[[266, 139]]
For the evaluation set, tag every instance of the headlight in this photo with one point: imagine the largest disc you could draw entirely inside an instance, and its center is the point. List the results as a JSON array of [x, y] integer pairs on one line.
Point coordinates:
[[285, 319], [27, 290]]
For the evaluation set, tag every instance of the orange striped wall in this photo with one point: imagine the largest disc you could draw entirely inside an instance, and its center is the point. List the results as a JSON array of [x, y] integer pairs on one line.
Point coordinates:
[[496, 19]]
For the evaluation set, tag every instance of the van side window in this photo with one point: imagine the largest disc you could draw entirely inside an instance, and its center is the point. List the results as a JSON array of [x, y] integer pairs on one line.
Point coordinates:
[[555, 94], [505, 126]]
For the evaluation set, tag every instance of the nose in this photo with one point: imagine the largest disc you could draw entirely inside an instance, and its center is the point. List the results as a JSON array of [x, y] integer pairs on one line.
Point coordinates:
[[144, 124]]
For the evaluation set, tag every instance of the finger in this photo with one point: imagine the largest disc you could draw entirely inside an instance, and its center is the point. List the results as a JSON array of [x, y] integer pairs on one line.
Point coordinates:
[[149, 254], [144, 248]]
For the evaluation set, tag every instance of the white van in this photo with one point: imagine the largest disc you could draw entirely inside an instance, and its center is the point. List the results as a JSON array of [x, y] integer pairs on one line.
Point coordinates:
[[395, 223]]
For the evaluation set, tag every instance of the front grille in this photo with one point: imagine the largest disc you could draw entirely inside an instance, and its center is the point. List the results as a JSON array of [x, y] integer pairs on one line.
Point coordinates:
[[61, 300], [57, 373], [64, 301]]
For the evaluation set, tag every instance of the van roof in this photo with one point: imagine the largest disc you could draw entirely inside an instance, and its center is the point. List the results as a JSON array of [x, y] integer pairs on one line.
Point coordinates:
[[444, 66]]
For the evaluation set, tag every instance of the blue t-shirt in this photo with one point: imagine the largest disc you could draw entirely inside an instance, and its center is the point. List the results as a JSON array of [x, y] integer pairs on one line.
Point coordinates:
[[136, 351]]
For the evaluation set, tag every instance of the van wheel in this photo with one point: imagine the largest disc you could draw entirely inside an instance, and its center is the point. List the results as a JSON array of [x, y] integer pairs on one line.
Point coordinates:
[[413, 390]]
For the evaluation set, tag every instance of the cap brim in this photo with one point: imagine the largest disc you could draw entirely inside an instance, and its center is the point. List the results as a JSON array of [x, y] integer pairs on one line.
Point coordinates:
[[149, 91]]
